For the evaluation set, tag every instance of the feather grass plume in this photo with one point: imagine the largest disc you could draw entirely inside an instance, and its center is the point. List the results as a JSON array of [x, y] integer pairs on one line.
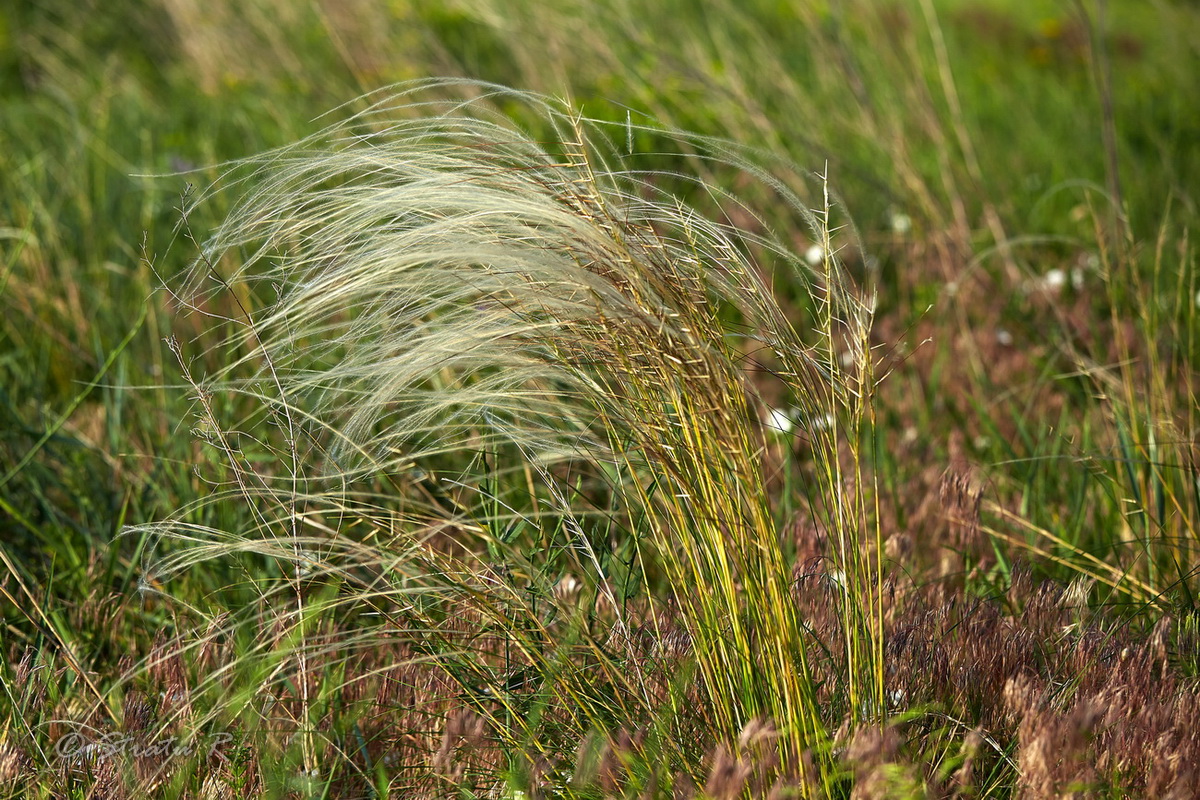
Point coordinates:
[[424, 290]]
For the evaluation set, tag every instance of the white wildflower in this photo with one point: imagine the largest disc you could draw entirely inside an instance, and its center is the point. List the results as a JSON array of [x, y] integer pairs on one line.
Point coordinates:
[[780, 420], [814, 255], [1054, 280], [821, 423]]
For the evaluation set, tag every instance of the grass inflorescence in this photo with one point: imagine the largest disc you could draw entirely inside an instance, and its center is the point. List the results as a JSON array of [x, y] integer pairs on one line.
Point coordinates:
[[546, 358]]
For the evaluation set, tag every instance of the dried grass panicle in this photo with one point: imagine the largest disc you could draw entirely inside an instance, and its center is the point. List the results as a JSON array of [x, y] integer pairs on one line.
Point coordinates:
[[962, 782], [464, 732], [32, 679], [880, 769], [961, 495], [455, 245], [728, 775], [14, 764], [215, 788], [1126, 722], [138, 711]]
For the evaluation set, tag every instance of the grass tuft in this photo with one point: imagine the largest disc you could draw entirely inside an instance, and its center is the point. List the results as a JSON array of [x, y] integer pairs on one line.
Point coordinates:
[[551, 348]]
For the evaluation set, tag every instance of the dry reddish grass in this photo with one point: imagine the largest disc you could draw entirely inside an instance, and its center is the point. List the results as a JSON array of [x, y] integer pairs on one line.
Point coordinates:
[[1030, 689]]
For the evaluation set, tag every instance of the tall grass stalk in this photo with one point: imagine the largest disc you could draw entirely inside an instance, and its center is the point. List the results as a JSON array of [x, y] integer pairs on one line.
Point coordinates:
[[427, 292], [1150, 397]]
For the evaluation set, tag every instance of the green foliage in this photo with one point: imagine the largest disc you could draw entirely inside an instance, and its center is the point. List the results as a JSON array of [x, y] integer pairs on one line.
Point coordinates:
[[524, 601]]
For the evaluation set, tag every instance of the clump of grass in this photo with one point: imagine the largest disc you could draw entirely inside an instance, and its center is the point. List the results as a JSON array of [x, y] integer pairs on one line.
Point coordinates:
[[480, 363]]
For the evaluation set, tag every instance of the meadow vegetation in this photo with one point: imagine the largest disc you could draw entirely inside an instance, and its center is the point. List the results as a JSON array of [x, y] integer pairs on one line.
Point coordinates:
[[691, 399]]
